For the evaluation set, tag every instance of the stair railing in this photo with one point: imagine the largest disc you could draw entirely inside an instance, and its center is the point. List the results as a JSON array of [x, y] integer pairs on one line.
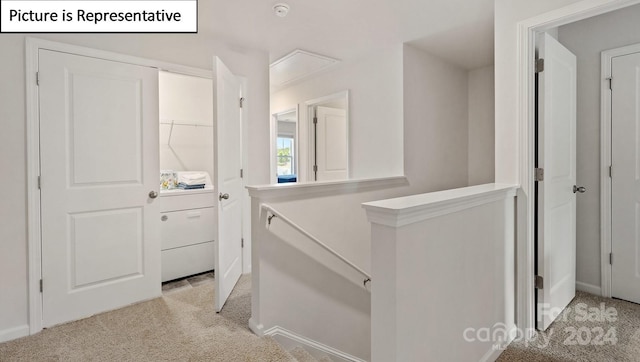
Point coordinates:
[[275, 214]]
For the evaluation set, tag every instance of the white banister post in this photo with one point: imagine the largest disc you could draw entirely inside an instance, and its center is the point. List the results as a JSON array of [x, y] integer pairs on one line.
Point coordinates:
[[442, 266], [383, 293], [258, 220]]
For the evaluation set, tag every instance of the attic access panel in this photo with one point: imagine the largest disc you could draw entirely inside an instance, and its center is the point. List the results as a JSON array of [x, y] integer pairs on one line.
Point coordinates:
[[296, 66]]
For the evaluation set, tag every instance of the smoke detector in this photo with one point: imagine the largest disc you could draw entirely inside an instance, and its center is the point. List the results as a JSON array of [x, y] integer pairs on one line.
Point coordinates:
[[281, 9]]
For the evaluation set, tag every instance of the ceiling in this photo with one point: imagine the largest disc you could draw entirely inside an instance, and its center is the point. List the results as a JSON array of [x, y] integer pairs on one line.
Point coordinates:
[[458, 30]]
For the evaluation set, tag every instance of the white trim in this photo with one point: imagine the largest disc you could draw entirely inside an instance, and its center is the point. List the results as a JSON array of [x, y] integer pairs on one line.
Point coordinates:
[[492, 354], [310, 345], [525, 103], [605, 162], [257, 329], [407, 210], [331, 62], [32, 47], [33, 193], [245, 219], [306, 189], [497, 349], [588, 288], [14, 333]]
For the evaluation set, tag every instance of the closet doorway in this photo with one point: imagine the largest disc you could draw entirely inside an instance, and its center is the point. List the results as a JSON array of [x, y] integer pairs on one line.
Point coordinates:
[[621, 196], [96, 209], [187, 199]]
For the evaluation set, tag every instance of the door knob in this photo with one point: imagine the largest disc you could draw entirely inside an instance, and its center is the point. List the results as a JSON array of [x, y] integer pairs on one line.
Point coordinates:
[[580, 189], [223, 196], [153, 194]]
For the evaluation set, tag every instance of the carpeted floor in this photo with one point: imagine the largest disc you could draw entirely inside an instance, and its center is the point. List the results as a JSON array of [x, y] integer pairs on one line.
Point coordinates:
[[592, 328], [183, 326], [180, 326]]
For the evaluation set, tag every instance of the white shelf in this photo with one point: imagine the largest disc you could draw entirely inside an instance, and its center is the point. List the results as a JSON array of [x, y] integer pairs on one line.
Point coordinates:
[[178, 192]]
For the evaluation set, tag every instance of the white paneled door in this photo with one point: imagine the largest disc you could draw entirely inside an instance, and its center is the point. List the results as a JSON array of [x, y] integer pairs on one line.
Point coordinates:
[[556, 198], [332, 155], [99, 180], [228, 182], [625, 180]]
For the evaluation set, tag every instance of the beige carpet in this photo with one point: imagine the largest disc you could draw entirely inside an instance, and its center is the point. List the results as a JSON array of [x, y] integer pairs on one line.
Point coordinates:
[[181, 326], [584, 333]]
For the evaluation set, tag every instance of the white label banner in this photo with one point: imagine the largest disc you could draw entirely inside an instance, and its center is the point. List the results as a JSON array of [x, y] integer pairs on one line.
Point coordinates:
[[99, 16]]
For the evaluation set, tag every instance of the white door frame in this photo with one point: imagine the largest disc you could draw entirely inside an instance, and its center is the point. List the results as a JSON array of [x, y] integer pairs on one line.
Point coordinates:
[[33, 46], [605, 162], [526, 30]]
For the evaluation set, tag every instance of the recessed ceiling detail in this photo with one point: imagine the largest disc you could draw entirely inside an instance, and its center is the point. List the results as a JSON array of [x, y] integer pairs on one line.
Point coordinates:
[[296, 66]]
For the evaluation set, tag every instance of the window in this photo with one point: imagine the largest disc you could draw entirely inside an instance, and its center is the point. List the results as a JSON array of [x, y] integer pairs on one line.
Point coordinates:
[[285, 156]]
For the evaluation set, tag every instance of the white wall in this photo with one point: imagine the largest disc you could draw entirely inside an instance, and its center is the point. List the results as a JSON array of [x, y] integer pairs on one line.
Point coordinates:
[[481, 126], [194, 50], [431, 95], [435, 126], [587, 39], [188, 102], [303, 288], [432, 279], [375, 110]]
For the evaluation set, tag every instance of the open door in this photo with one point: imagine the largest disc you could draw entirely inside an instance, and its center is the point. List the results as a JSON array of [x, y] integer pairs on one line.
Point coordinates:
[[331, 144], [625, 182], [99, 173], [556, 178], [227, 182]]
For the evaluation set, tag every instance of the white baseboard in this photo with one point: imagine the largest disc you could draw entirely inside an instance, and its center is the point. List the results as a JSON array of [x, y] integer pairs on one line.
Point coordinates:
[[492, 355], [288, 340], [13, 333], [588, 288], [257, 329], [497, 349]]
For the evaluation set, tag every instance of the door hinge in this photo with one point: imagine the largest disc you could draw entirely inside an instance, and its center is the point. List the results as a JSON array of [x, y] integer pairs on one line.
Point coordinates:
[[315, 120], [539, 65], [241, 173], [610, 258], [242, 242], [539, 174], [241, 101], [39, 183], [610, 79], [315, 168], [539, 282], [41, 285], [37, 78], [610, 171]]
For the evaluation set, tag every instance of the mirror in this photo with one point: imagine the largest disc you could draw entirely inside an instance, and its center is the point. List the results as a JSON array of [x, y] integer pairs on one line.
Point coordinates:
[[306, 151], [329, 137], [285, 146]]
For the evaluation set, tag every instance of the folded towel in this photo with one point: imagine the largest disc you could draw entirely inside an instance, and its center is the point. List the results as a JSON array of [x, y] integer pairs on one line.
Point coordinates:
[[192, 178], [190, 187]]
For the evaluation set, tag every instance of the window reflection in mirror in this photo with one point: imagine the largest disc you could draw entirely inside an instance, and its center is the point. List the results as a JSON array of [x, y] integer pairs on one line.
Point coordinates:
[[285, 155]]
